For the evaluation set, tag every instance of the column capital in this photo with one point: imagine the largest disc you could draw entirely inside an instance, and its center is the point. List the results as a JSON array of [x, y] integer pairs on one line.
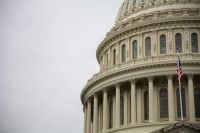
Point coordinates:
[[169, 76], [190, 76], [150, 78], [95, 95], [105, 90], [89, 100], [117, 85], [132, 81]]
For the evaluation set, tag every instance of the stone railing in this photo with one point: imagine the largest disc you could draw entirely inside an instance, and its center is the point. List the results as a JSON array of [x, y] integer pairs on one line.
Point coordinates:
[[153, 60]]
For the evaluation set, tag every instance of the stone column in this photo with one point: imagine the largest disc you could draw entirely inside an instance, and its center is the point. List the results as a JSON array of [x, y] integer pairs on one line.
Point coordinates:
[[171, 99], [133, 102], [85, 120], [125, 108], [117, 105], [191, 98], [95, 114], [151, 105], [88, 116], [105, 109]]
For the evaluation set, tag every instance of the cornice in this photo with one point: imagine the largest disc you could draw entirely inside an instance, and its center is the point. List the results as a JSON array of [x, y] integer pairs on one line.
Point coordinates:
[[155, 71], [131, 67]]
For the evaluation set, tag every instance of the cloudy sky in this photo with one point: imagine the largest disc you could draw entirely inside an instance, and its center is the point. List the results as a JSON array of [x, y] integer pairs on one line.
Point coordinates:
[[47, 54]]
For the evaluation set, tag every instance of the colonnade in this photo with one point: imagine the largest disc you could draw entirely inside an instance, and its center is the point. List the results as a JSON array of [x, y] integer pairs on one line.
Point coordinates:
[[92, 112]]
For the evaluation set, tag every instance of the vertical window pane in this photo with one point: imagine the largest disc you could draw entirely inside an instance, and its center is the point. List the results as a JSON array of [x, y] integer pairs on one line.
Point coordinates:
[[107, 60], [111, 114], [194, 42], [163, 103], [183, 102], [162, 44], [146, 105], [148, 46], [197, 102], [121, 110], [123, 53], [178, 41], [114, 57], [134, 50]]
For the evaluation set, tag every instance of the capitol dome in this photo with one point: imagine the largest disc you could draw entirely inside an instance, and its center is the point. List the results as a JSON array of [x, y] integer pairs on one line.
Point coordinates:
[[137, 89]]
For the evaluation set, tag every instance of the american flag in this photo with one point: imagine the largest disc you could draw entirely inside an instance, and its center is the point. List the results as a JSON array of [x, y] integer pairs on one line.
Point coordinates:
[[179, 69]]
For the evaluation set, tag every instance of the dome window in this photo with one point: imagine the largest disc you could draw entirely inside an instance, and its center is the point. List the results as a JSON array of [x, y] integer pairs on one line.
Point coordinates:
[[162, 44], [163, 103], [178, 41], [194, 42], [114, 56], [146, 105], [124, 53], [134, 50], [148, 46], [121, 110], [197, 102]]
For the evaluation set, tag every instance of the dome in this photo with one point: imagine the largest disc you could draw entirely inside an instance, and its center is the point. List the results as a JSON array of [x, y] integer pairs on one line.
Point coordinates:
[[138, 86], [131, 8]]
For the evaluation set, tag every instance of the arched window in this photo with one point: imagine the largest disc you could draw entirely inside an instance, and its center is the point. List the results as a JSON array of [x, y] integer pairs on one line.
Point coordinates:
[[134, 49], [197, 101], [134, 1], [194, 42], [124, 53], [121, 110], [178, 102], [148, 46], [146, 105], [114, 57], [163, 103], [178, 41], [111, 114], [162, 44]]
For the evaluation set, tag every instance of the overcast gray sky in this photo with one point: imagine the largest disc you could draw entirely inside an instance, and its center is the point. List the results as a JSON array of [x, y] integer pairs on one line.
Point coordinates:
[[47, 53]]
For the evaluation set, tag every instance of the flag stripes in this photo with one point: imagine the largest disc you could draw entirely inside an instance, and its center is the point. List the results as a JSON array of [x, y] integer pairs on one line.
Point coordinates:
[[179, 69]]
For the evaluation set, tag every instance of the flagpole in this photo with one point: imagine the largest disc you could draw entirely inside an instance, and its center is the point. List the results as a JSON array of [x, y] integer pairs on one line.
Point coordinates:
[[180, 93]]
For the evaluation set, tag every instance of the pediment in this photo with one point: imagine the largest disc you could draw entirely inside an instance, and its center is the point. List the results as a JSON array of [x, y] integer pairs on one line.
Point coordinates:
[[181, 127]]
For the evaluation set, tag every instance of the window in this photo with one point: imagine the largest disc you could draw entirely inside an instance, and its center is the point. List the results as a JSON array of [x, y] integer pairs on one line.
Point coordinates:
[[114, 57], [178, 42], [124, 53], [194, 42], [107, 60], [197, 101], [148, 46], [110, 114], [146, 105], [121, 110], [162, 44], [183, 102], [134, 49], [163, 103]]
